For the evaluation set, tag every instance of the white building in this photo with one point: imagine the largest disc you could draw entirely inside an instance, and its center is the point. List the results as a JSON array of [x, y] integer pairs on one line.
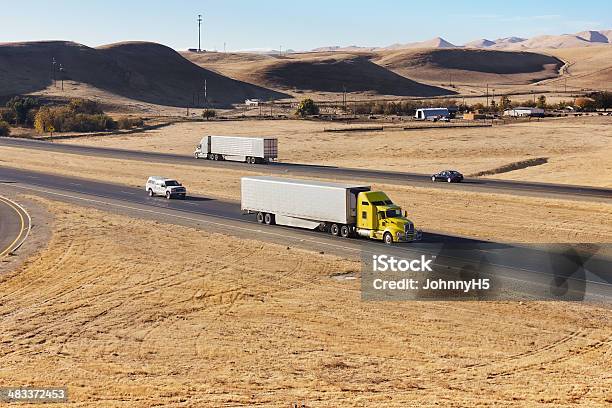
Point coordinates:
[[252, 102], [521, 111]]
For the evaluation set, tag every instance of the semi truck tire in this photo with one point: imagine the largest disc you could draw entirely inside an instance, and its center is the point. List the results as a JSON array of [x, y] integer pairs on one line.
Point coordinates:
[[260, 217], [151, 193], [269, 219], [388, 238], [335, 230], [345, 231]]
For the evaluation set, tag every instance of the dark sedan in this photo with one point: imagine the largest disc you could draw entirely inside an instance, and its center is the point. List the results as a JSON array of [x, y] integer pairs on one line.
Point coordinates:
[[450, 176]]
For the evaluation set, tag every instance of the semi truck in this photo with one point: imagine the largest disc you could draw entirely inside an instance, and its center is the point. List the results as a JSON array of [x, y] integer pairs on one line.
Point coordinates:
[[344, 210], [246, 149]]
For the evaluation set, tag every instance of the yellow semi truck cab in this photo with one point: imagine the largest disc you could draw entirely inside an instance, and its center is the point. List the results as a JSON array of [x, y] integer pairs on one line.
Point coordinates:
[[378, 218]]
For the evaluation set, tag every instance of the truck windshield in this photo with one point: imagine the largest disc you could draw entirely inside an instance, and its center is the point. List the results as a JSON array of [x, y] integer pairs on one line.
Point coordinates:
[[394, 213], [172, 183]]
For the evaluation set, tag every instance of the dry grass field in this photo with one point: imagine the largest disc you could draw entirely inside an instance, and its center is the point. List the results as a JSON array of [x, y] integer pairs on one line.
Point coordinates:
[[496, 217], [578, 149], [217, 321]]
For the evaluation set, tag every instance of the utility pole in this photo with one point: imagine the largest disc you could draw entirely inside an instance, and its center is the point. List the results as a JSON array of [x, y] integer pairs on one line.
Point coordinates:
[[61, 71], [53, 62], [224, 48], [280, 50], [199, 33], [205, 93], [487, 105]]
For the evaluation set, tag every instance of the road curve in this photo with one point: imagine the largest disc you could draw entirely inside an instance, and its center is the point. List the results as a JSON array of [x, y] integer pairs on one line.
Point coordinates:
[[529, 266], [309, 170], [14, 226]]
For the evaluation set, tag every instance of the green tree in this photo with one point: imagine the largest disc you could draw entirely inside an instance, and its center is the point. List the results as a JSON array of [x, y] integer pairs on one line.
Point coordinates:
[[603, 100], [21, 107], [209, 113], [541, 103], [504, 103], [307, 107], [5, 129]]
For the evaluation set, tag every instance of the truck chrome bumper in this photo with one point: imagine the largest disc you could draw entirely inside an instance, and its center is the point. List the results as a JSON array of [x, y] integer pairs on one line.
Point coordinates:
[[417, 236]]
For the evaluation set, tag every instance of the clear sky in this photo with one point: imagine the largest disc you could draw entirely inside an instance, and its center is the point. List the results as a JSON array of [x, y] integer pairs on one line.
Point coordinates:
[[269, 24]]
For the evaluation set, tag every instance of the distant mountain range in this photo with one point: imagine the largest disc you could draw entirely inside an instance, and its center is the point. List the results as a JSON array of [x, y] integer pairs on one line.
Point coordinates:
[[581, 39]]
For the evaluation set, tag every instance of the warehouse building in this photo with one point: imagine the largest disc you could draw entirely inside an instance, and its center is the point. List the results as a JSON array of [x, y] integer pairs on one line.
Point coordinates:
[[520, 111]]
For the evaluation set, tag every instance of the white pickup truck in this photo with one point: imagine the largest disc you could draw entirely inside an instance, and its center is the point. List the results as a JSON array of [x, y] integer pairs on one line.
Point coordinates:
[[166, 187]]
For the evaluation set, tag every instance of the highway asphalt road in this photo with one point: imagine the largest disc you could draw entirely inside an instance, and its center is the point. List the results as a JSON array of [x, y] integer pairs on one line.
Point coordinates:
[[14, 226], [305, 170], [534, 272]]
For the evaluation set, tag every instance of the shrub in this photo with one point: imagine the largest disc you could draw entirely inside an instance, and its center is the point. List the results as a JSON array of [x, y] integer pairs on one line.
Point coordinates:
[[7, 115], [585, 104], [5, 129], [209, 113], [307, 107], [64, 119], [128, 123], [541, 103], [79, 105]]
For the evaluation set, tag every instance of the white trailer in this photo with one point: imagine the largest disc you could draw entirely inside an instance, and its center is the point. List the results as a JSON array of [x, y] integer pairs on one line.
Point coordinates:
[[300, 203], [246, 149], [432, 114]]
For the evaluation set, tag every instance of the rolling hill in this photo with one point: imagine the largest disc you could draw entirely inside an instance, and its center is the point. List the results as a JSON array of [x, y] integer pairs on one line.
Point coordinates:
[[318, 72], [470, 65], [143, 71]]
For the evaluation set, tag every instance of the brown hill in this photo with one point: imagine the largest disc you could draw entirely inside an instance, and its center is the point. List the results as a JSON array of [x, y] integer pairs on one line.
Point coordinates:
[[319, 72], [586, 68], [142, 71], [470, 65]]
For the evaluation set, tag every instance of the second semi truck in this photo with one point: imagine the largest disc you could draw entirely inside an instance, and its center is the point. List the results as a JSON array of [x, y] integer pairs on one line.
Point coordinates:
[[247, 149], [341, 209]]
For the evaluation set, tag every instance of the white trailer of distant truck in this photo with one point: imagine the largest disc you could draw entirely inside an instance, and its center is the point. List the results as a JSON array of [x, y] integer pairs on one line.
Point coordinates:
[[345, 210], [432, 114], [235, 148]]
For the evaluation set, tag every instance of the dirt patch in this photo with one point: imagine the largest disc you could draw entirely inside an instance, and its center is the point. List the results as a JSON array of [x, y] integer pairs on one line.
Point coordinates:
[[506, 168]]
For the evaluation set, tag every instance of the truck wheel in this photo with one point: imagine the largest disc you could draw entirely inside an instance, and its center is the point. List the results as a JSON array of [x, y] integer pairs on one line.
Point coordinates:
[[215, 156], [345, 231], [151, 193], [433, 178], [449, 180], [335, 230], [269, 219], [260, 217], [253, 160], [168, 195], [197, 156], [388, 238]]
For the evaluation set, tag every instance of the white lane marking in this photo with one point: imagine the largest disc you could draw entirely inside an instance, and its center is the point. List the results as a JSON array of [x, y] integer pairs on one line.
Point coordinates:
[[75, 184], [23, 239], [219, 224]]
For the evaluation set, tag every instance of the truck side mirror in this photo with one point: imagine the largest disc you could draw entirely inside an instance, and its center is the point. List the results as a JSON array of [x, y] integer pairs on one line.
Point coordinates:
[[405, 213]]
